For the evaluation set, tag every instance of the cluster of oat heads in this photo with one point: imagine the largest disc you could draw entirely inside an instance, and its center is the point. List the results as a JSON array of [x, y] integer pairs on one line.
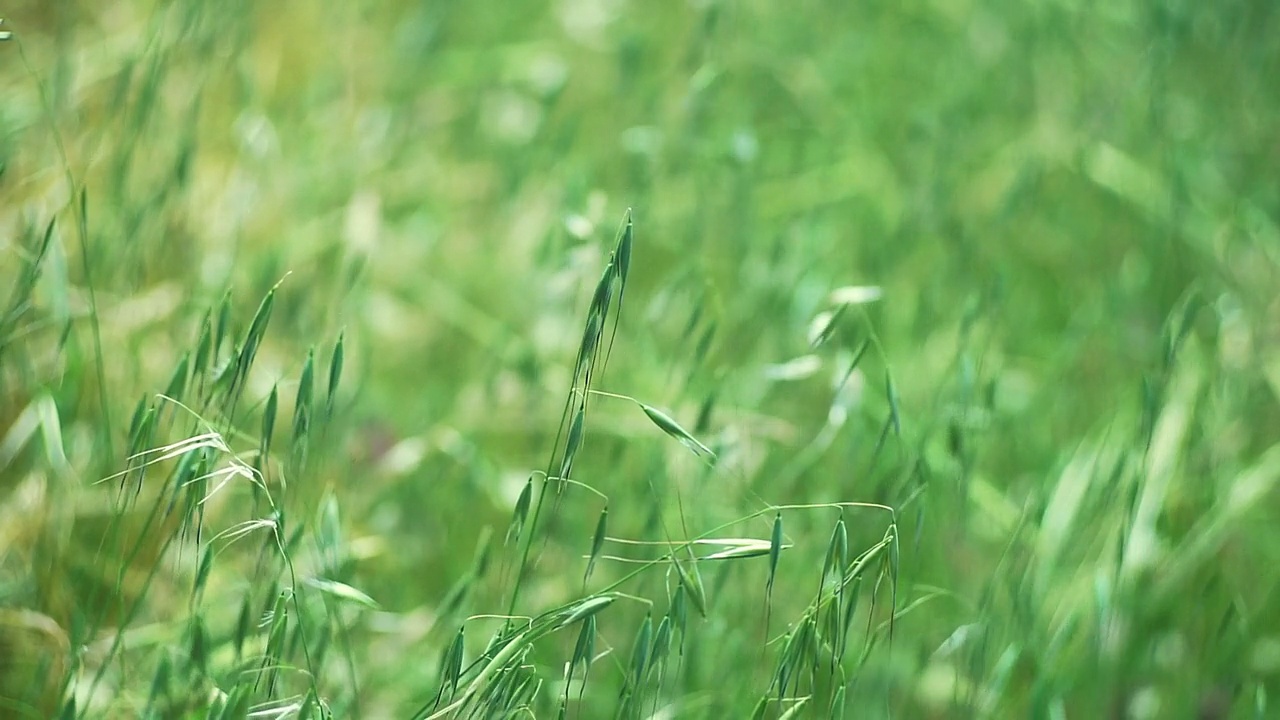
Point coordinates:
[[502, 680], [279, 642], [607, 296], [285, 627], [490, 681]]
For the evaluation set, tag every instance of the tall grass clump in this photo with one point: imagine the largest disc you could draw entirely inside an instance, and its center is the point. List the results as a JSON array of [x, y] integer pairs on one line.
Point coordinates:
[[200, 516], [658, 579]]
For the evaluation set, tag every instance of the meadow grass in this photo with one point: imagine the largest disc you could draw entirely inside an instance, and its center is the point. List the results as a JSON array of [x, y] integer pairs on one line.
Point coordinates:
[[712, 360]]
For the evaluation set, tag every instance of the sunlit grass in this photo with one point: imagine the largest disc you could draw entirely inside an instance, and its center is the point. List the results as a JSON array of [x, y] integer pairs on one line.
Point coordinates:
[[712, 360]]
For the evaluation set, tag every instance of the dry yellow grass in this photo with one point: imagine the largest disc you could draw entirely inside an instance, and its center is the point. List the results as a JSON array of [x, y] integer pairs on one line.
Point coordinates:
[[34, 653]]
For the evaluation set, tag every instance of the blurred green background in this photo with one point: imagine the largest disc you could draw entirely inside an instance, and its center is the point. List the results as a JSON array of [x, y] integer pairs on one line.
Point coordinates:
[[1069, 387]]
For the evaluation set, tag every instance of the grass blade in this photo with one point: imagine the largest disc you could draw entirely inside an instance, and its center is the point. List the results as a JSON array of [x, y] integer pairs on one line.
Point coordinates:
[[597, 543], [672, 428], [336, 361]]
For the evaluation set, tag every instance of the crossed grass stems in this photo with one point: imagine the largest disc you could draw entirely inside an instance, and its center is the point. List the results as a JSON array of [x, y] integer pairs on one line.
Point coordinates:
[[264, 636], [501, 681]]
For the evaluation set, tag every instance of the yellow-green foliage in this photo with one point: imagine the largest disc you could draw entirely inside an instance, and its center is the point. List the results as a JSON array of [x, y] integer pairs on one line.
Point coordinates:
[[606, 358]]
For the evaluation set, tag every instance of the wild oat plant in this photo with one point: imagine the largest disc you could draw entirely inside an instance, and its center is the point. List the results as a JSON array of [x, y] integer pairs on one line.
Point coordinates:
[[265, 635], [814, 657]]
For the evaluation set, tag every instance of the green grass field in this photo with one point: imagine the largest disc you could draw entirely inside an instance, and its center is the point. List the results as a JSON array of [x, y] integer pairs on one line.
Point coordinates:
[[598, 358]]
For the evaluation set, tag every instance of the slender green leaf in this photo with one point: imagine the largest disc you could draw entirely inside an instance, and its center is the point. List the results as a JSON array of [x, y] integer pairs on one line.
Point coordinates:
[[597, 543], [640, 650], [794, 710], [691, 580], [335, 371], [775, 552], [587, 608], [672, 428], [573, 443], [342, 591]]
